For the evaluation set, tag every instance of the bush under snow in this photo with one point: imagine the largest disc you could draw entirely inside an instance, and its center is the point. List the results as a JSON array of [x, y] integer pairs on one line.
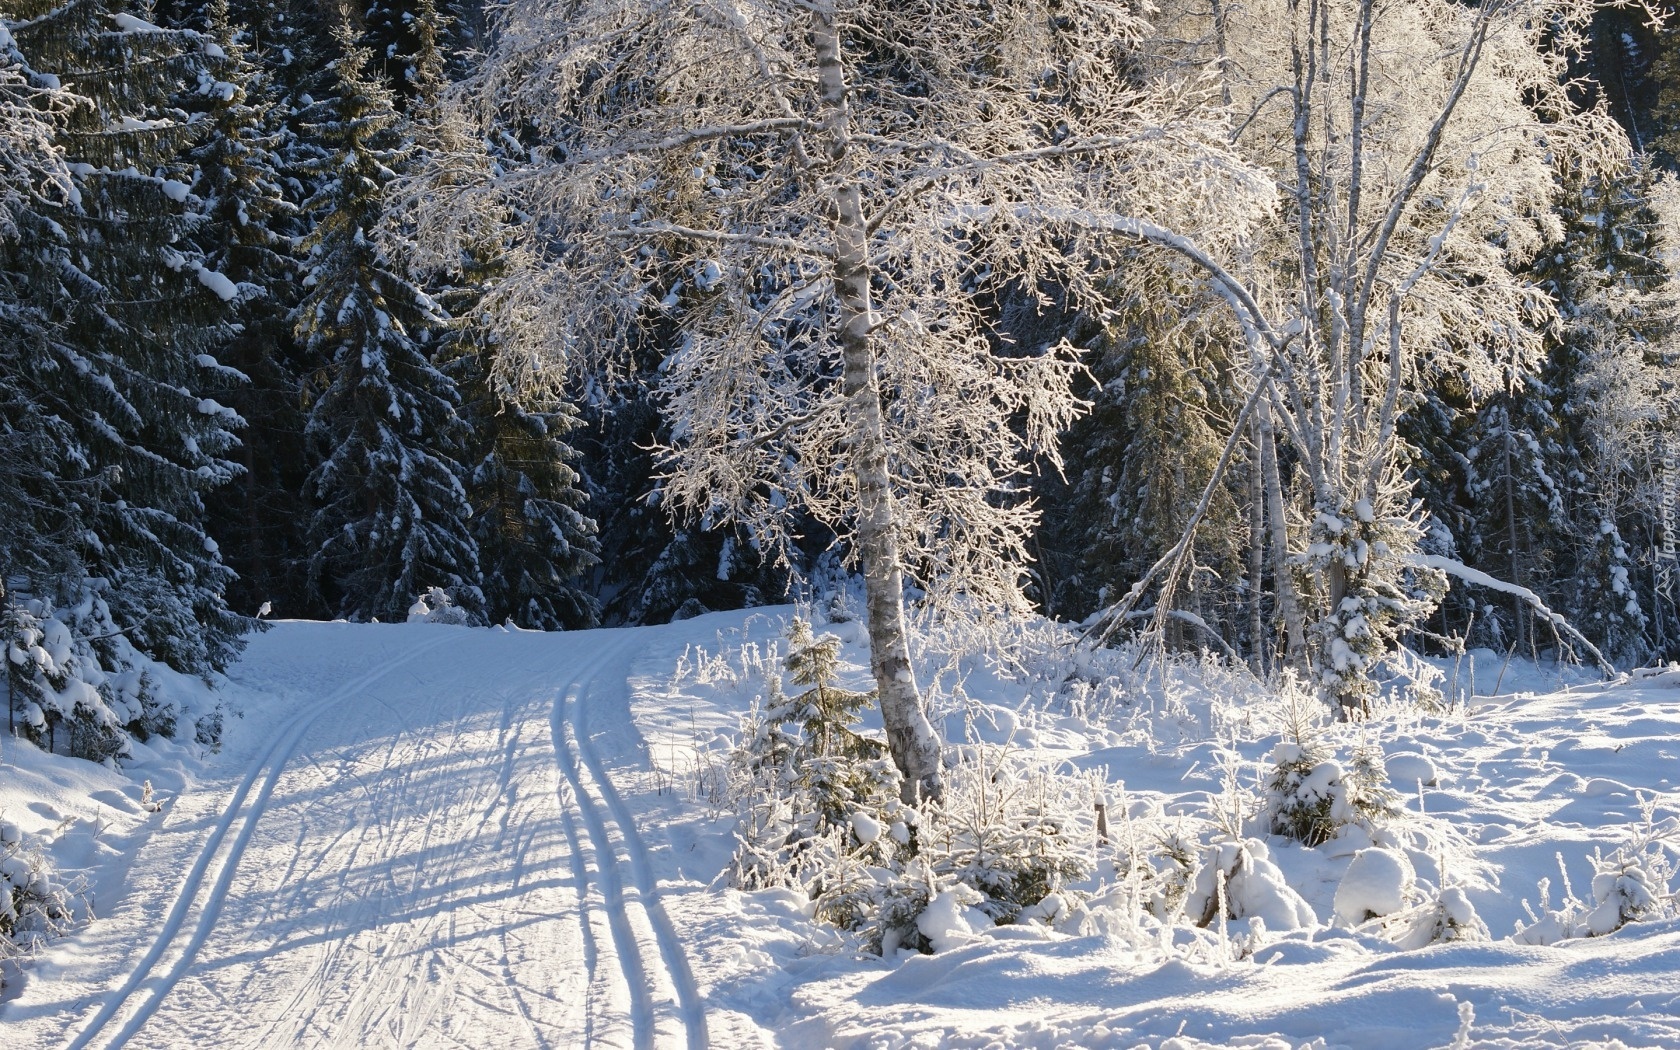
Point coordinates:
[[79, 687], [34, 905]]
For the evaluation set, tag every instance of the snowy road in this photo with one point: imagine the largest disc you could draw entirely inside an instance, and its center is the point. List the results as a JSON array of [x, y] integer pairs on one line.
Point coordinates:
[[423, 845]]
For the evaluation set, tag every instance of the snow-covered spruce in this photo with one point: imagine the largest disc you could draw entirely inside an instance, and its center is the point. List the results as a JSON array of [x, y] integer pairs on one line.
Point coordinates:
[[78, 687], [1310, 795], [1635, 883]]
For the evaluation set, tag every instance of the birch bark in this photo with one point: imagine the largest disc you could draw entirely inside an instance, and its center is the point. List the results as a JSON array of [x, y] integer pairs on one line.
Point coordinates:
[[910, 737]]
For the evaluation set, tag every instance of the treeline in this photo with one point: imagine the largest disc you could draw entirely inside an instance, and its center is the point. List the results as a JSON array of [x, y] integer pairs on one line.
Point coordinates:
[[236, 383]]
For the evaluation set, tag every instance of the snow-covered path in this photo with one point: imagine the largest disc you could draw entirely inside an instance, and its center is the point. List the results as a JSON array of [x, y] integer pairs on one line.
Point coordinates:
[[422, 846], [430, 836]]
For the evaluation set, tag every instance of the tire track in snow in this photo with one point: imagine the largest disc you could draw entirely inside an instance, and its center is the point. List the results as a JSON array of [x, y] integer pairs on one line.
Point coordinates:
[[237, 813], [665, 1005]]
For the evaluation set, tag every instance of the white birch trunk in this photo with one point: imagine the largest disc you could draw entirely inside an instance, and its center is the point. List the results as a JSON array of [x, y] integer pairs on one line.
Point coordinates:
[[910, 736]]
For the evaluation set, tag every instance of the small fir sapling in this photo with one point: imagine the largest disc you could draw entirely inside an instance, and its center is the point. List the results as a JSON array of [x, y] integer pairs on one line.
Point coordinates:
[[1311, 797], [1169, 872], [823, 813], [820, 789], [846, 775], [1445, 918], [1013, 835]]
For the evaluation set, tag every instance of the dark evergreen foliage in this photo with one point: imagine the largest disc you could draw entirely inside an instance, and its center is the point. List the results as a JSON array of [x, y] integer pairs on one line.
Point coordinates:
[[392, 516], [242, 172], [116, 318]]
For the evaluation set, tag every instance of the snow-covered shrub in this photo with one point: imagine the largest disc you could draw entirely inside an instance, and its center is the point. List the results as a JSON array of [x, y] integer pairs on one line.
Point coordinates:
[[822, 797], [1442, 918], [1001, 848], [821, 810], [1241, 875], [1377, 882], [33, 904], [1011, 831], [1199, 878], [438, 606], [1635, 883], [1628, 886], [76, 684], [1310, 796]]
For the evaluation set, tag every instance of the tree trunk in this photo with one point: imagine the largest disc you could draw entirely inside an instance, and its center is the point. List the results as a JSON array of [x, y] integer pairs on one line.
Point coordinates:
[[910, 736], [1259, 652], [1518, 606], [1288, 606]]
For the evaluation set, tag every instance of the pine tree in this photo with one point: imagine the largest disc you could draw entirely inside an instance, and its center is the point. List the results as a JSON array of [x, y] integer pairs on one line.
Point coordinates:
[[411, 42], [392, 516], [1559, 468], [114, 315], [534, 540], [1605, 365]]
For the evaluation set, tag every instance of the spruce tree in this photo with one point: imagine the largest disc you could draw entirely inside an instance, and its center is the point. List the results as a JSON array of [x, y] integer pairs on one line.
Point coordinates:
[[534, 539], [114, 315], [251, 217], [1138, 462], [1606, 364], [392, 515], [1559, 468]]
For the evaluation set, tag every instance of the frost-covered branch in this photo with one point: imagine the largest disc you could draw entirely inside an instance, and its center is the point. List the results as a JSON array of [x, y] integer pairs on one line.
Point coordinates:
[[1464, 572]]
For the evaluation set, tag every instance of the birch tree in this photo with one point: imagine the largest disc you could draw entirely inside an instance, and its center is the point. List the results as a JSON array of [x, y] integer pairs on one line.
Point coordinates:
[[1415, 147], [825, 192]]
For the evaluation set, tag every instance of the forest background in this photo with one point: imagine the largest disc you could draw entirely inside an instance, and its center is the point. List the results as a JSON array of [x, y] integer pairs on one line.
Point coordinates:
[[268, 348]]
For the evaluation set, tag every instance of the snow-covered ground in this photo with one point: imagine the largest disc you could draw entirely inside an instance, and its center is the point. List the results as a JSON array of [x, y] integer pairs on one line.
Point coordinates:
[[420, 835]]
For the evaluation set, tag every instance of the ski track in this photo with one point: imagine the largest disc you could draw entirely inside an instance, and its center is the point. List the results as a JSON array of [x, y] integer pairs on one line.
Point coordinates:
[[654, 990], [272, 761], [675, 971], [448, 882]]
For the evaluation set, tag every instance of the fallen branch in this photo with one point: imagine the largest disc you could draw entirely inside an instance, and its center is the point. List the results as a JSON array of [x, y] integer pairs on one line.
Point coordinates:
[[1482, 579]]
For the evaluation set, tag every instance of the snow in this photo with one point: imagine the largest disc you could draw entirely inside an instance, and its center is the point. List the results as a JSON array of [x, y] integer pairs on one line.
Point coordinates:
[[225, 289], [865, 827], [130, 24], [1408, 769], [950, 921], [430, 835], [1378, 882]]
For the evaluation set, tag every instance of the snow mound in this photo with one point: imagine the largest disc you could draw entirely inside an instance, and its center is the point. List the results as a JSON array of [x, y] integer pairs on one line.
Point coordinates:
[[950, 919], [1378, 882], [1408, 769]]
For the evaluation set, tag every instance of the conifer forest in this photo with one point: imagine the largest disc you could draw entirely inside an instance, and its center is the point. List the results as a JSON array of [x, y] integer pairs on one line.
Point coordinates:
[[886, 472]]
